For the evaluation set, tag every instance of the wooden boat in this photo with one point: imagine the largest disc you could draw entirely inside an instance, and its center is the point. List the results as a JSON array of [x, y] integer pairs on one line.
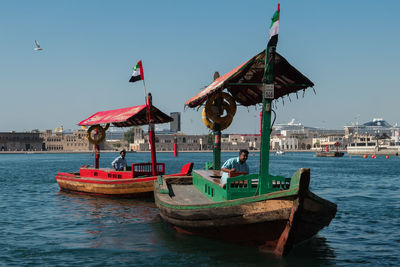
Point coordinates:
[[329, 154], [274, 221], [138, 179], [271, 212]]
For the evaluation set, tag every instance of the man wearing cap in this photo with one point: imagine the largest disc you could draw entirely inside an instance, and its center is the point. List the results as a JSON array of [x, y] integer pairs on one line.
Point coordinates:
[[119, 164]]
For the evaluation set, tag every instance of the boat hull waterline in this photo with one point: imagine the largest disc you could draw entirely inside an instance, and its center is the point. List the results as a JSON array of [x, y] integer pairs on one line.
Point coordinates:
[[273, 222], [127, 188]]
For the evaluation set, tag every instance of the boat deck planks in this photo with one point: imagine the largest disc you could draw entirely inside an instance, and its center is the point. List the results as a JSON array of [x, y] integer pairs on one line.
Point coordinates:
[[188, 194]]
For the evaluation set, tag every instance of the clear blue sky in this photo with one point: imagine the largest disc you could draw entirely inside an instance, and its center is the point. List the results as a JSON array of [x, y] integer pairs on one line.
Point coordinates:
[[349, 49]]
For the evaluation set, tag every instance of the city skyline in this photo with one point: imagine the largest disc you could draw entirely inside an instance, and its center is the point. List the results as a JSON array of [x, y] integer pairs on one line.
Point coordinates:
[[89, 49], [166, 127]]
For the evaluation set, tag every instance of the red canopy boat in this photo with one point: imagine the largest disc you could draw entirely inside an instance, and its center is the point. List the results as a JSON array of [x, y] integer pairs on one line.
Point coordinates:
[[137, 180]]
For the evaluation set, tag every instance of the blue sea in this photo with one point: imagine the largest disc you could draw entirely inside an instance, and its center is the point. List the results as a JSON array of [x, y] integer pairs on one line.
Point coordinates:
[[41, 226]]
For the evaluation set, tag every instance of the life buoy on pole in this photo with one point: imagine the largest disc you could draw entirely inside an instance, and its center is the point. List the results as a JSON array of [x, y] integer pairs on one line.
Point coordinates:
[[213, 113], [96, 134], [87, 132], [209, 124]]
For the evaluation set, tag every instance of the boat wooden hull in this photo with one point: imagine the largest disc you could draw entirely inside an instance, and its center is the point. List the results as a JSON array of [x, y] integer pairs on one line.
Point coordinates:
[[110, 183], [273, 222], [135, 187]]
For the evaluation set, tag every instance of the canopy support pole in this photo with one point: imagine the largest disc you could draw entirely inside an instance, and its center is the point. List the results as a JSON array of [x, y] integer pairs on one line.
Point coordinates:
[[151, 136], [175, 146], [96, 156], [264, 182], [217, 147]]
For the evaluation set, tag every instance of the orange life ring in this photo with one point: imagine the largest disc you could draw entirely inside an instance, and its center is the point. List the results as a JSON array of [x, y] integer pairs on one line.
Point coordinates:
[[95, 137], [209, 124], [213, 114]]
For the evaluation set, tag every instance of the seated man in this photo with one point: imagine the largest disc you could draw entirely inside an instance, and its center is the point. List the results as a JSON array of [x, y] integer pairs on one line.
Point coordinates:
[[235, 165], [119, 164]]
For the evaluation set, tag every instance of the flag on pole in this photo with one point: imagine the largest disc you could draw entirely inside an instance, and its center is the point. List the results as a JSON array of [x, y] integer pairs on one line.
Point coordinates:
[[137, 74], [274, 29]]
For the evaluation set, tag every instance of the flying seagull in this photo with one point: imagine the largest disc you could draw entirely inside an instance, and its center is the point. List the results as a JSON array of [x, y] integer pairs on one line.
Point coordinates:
[[37, 48]]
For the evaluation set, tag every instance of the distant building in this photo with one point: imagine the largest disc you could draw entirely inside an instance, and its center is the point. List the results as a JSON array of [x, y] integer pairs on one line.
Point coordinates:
[[14, 141], [73, 142], [175, 126], [332, 142], [292, 128], [165, 142], [372, 137], [235, 142], [376, 127], [114, 135]]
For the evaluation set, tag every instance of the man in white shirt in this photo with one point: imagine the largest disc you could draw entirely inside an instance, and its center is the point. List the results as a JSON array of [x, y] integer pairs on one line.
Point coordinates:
[[119, 164]]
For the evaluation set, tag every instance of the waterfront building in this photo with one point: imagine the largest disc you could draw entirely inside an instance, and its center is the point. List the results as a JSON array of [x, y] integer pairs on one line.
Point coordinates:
[[235, 142], [28, 141], [281, 142], [289, 136], [292, 136], [376, 127], [380, 145], [67, 142], [372, 136], [333, 142], [165, 142], [231, 142]]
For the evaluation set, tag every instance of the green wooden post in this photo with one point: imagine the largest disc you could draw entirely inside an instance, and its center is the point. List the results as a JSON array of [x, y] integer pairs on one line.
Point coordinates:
[[217, 147], [265, 183]]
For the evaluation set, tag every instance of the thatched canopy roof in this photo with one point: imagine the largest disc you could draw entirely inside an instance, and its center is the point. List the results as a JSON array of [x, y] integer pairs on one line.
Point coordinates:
[[245, 82]]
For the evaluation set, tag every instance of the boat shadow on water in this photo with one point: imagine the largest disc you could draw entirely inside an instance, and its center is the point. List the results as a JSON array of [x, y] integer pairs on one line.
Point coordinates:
[[203, 251]]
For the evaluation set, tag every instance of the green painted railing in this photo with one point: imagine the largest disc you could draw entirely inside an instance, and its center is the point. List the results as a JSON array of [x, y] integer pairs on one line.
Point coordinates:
[[238, 187], [209, 188]]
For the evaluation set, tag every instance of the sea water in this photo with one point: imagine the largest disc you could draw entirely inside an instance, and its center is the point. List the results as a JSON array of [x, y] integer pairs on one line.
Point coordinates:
[[41, 226]]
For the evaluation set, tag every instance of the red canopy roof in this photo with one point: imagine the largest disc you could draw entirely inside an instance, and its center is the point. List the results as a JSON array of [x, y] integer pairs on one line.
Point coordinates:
[[245, 82], [127, 117]]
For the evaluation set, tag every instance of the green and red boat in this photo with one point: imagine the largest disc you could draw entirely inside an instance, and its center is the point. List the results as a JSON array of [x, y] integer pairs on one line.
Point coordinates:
[[269, 211], [138, 179]]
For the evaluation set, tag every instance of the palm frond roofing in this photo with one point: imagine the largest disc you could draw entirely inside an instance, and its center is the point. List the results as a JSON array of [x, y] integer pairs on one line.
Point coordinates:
[[245, 82]]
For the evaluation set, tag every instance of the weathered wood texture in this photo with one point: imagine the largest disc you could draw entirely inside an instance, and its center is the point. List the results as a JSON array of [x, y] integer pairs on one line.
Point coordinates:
[[105, 187], [269, 222]]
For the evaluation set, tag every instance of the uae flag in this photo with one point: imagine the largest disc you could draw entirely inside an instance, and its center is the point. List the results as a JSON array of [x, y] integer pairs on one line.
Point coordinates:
[[274, 29], [137, 74]]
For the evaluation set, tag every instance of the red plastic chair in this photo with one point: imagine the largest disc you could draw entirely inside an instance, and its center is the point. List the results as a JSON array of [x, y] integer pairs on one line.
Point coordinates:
[[186, 170]]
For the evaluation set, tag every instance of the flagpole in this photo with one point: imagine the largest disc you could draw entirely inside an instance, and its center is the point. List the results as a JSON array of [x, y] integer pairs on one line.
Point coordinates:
[[144, 87], [265, 183]]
